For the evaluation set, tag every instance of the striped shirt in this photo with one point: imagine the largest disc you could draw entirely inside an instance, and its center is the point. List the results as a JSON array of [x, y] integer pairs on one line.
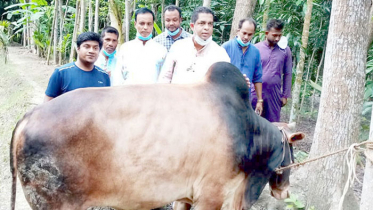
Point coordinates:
[[166, 40]]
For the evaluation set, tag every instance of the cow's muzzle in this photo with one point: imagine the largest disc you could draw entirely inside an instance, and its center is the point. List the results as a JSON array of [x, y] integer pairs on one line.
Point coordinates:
[[280, 194]]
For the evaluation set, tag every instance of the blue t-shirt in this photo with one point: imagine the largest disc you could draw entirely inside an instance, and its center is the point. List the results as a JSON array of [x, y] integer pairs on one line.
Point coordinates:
[[248, 63], [70, 77]]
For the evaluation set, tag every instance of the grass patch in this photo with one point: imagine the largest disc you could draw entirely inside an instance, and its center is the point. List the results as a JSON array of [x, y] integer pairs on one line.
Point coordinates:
[[15, 95]]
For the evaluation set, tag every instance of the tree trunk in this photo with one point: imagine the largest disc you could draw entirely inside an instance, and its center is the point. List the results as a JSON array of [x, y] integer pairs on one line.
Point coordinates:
[[154, 8], [177, 3], [32, 41], [24, 35], [51, 38], [115, 19], [127, 19], [162, 15], [338, 120], [370, 28], [300, 67], [207, 3], [244, 8], [90, 16], [83, 11], [367, 195], [265, 15], [55, 36], [61, 31], [63, 55], [76, 26], [96, 16], [28, 34]]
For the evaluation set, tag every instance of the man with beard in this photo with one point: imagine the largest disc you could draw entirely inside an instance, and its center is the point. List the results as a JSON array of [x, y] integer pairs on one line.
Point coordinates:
[[246, 57], [174, 32], [106, 59], [190, 58], [140, 60], [277, 63], [82, 73]]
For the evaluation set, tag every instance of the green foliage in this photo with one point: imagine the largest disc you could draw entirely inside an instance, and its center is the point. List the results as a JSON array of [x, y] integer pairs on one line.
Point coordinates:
[[5, 24], [315, 86], [157, 29], [293, 203], [300, 156], [368, 98]]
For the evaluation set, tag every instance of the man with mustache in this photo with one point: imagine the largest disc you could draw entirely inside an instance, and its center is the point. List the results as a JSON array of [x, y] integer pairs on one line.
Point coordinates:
[[82, 73], [190, 58], [174, 32], [246, 57], [106, 59], [277, 71], [140, 60]]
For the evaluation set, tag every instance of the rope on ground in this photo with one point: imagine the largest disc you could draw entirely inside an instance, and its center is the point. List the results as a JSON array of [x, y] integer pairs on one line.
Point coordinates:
[[350, 158]]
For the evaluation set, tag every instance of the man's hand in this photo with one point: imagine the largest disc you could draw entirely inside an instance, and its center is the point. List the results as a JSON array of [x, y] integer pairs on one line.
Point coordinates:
[[247, 80], [284, 101], [259, 107]]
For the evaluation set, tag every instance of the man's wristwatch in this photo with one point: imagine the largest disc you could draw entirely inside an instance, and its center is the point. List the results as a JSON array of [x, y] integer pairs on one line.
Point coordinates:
[[260, 100]]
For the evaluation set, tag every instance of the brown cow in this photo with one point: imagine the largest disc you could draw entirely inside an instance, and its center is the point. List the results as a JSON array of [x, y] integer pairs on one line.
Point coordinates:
[[143, 146]]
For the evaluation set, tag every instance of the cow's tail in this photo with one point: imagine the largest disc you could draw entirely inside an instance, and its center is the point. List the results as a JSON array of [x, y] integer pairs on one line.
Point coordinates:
[[13, 164]]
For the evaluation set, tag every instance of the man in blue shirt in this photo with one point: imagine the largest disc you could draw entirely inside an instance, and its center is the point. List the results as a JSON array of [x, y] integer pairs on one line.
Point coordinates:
[[82, 73], [246, 57]]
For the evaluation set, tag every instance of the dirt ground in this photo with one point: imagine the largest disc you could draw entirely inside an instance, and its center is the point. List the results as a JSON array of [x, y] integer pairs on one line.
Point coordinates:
[[22, 84]]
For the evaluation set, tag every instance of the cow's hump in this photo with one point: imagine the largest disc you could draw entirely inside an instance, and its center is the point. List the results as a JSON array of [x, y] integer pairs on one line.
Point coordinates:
[[229, 77]]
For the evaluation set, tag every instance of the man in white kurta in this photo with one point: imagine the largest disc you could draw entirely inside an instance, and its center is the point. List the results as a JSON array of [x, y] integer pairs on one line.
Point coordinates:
[[189, 59], [140, 60], [106, 59]]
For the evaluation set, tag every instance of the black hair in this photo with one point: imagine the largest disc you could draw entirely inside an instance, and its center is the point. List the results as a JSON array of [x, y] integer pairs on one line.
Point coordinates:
[[172, 8], [109, 29], [89, 36], [144, 10], [276, 24], [248, 19], [201, 10]]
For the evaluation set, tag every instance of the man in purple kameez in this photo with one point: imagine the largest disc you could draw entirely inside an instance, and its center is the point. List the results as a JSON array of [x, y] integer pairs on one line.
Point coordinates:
[[277, 72]]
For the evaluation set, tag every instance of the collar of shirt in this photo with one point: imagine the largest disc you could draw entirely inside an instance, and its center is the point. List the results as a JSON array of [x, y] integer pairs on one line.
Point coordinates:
[[240, 47], [137, 41], [104, 64], [192, 65], [182, 35], [266, 43]]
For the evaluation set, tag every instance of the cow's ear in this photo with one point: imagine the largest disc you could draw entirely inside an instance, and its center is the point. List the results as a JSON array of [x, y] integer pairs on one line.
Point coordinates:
[[294, 137]]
